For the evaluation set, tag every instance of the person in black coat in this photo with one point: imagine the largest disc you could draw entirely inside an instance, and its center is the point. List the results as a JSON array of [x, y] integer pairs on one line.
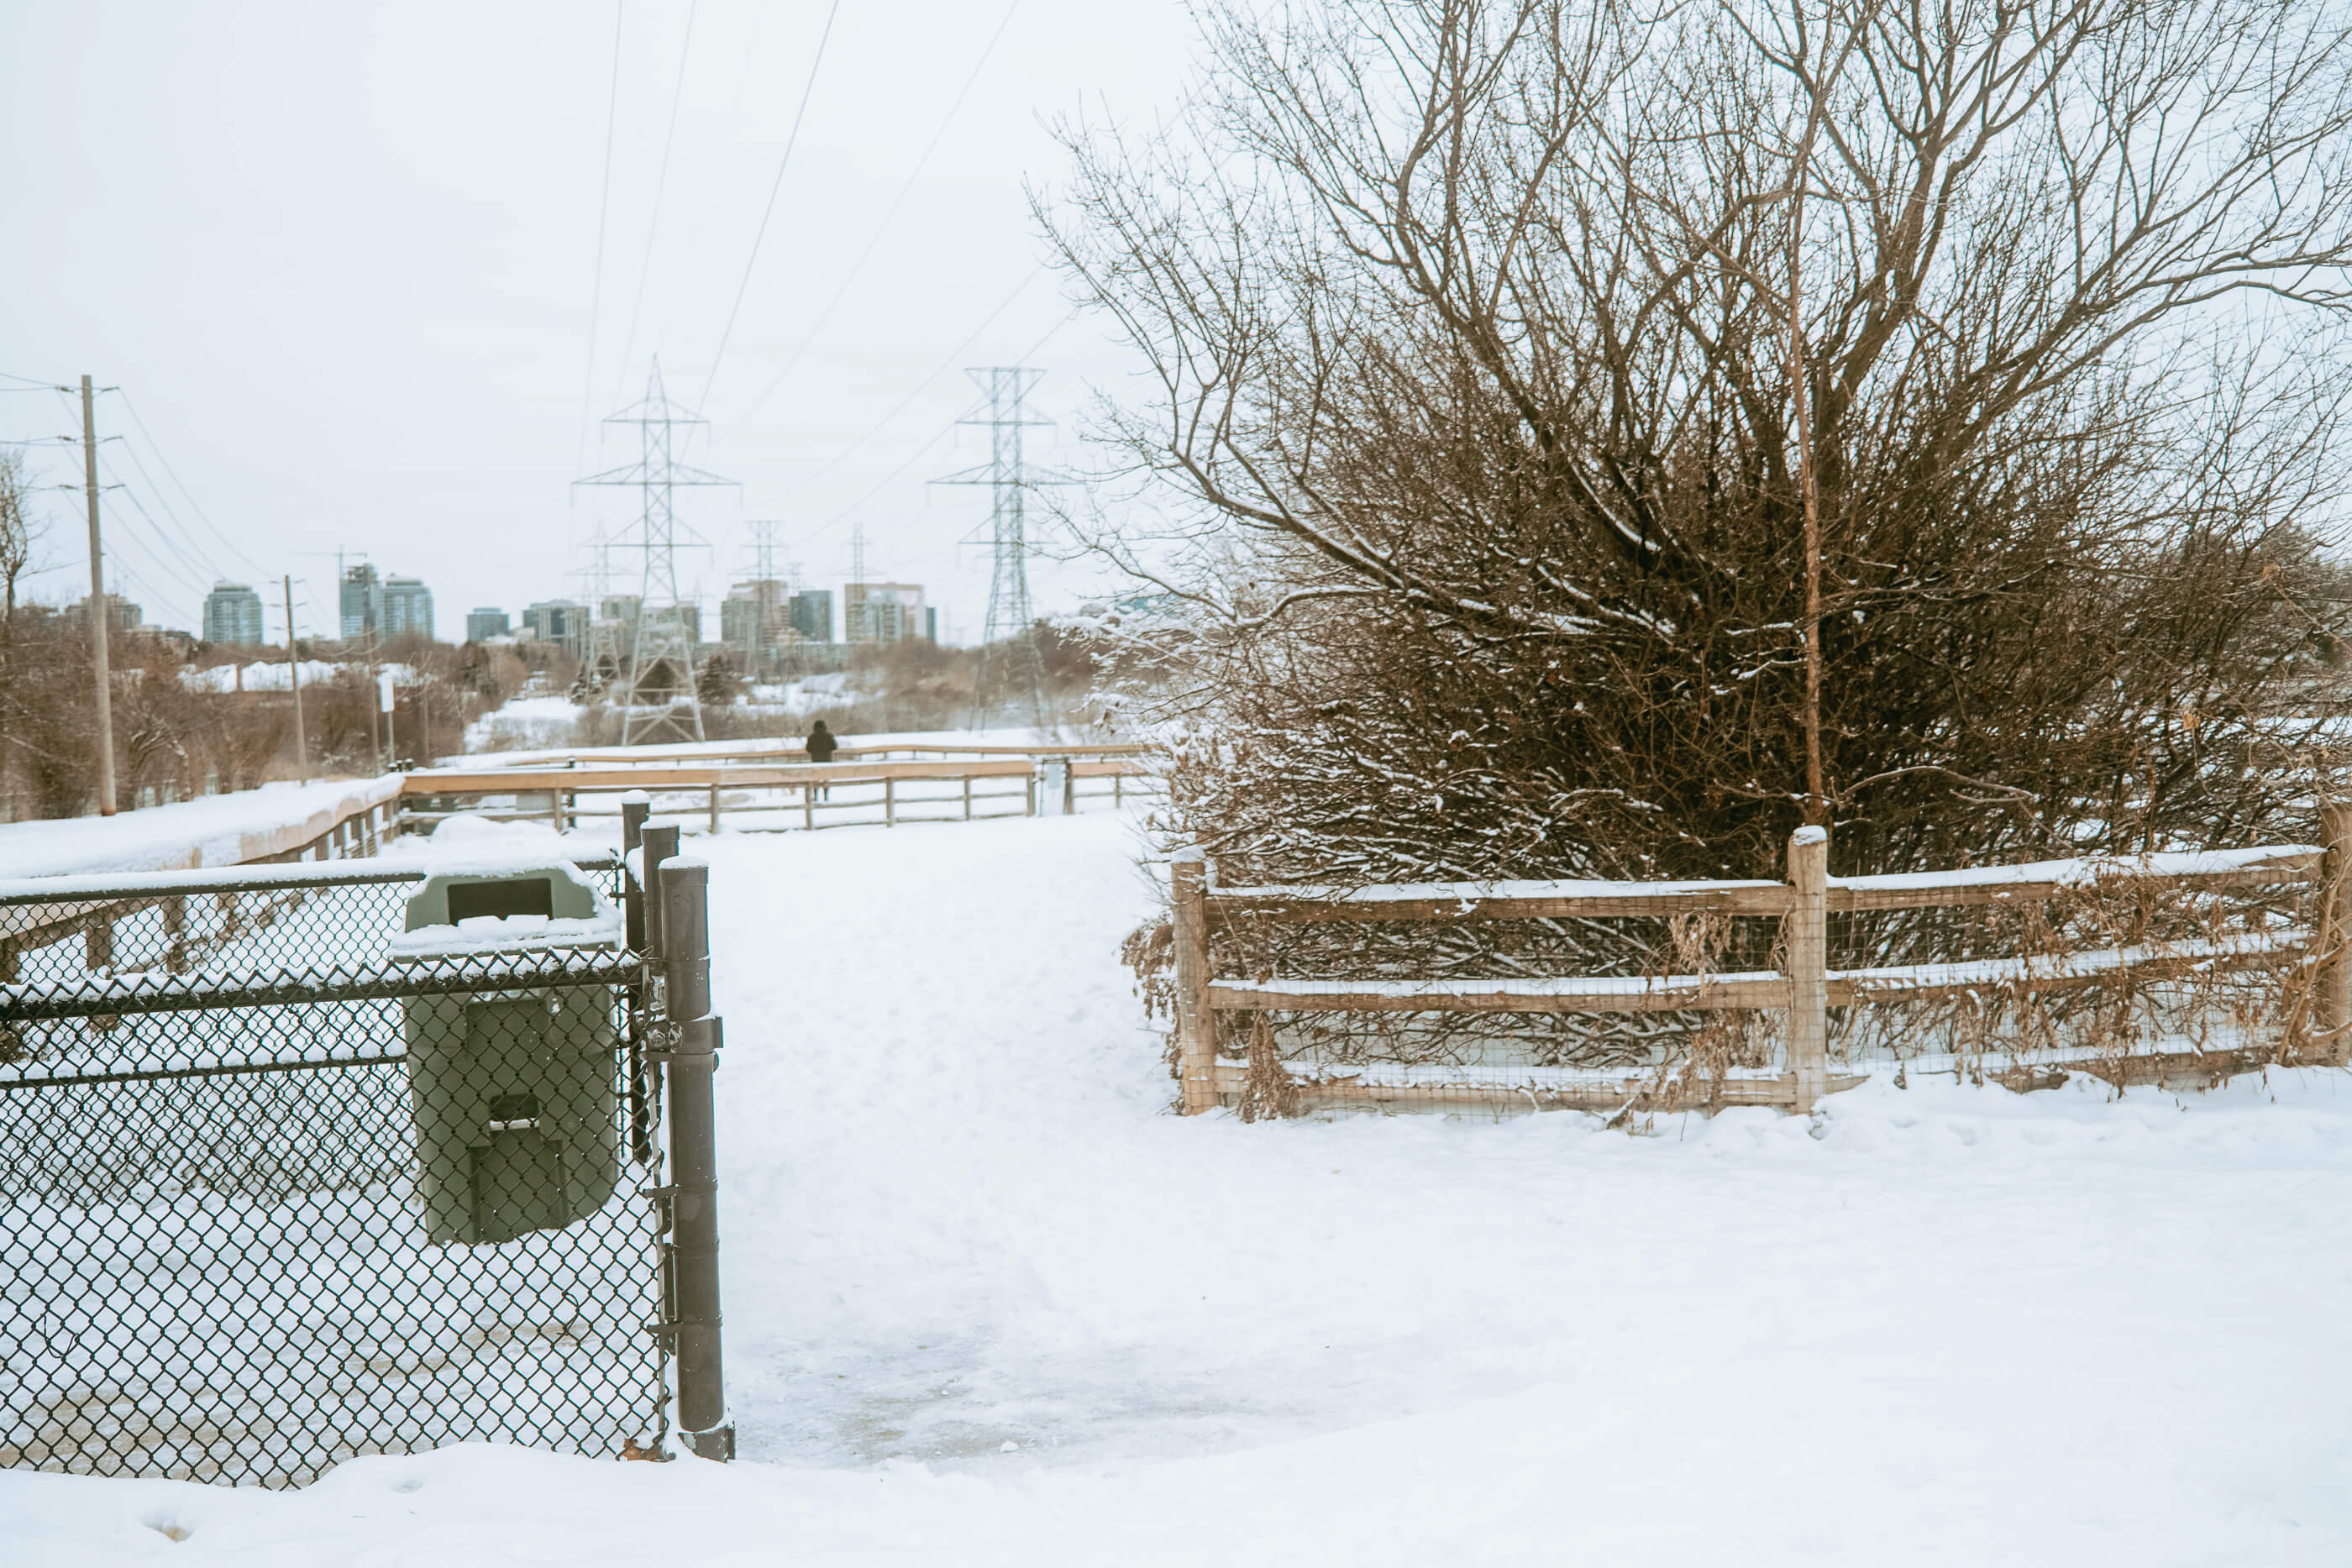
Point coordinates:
[[821, 746]]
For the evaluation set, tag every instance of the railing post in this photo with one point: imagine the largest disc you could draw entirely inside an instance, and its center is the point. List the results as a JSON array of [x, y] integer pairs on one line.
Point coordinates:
[[176, 934], [657, 842], [714, 807], [967, 797], [889, 802], [692, 1058], [1807, 940], [636, 806], [1196, 1023], [2331, 1002], [808, 807]]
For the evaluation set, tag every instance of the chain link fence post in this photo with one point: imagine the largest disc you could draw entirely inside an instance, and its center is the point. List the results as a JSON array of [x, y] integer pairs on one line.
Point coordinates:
[[692, 1058]]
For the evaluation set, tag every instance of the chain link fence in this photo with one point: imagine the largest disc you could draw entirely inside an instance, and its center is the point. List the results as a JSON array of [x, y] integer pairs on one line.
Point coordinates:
[[282, 1183]]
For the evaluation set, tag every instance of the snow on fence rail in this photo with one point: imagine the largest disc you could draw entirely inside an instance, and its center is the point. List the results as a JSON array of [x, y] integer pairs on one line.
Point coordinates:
[[1802, 988], [785, 795]]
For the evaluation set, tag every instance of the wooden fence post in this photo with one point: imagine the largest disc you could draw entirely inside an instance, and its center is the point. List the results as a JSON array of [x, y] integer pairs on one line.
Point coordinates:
[[176, 934], [2332, 1000], [1807, 941], [808, 807], [1196, 1024], [714, 808], [889, 802], [967, 797]]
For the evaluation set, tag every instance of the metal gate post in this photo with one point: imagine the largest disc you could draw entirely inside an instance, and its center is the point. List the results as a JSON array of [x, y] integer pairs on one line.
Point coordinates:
[[636, 806], [691, 1060]]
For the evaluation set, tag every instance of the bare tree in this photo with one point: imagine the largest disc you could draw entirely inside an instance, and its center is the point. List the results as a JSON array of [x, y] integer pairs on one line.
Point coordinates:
[[18, 534], [1596, 432]]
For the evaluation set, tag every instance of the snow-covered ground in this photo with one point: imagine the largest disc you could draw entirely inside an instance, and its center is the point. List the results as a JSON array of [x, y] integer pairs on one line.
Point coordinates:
[[214, 830], [524, 722], [988, 1302]]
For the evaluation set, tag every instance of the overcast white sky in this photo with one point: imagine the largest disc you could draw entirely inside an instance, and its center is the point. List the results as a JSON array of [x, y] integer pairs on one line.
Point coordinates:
[[342, 258]]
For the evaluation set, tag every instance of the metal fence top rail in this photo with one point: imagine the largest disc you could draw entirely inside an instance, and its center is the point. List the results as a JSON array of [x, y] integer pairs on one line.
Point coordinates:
[[115, 886], [150, 992]]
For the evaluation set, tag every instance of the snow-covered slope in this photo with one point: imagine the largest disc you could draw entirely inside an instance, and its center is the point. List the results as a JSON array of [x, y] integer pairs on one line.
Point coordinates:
[[987, 1304]]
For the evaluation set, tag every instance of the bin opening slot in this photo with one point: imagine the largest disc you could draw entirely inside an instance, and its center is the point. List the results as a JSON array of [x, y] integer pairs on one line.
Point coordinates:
[[510, 895], [514, 1112]]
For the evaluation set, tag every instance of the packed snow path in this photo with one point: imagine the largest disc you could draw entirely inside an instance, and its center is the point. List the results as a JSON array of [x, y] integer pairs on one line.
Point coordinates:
[[987, 1301]]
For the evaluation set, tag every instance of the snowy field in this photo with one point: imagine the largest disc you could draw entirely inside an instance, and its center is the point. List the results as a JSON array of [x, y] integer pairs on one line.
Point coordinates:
[[988, 1302]]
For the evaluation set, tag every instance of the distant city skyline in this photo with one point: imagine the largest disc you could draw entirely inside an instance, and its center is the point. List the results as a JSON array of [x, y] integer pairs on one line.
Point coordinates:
[[375, 337]]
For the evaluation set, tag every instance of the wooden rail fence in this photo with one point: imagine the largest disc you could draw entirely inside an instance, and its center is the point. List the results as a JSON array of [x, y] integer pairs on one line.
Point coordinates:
[[800, 793], [1808, 989]]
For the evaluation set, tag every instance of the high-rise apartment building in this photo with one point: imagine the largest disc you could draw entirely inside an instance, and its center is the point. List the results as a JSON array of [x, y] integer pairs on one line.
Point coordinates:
[[487, 622], [557, 620], [811, 612], [883, 611], [123, 617], [233, 615], [755, 621], [362, 603], [407, 608]]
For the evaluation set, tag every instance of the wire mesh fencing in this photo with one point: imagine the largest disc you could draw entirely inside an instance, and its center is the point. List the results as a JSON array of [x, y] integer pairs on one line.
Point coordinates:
[[282, 1183]]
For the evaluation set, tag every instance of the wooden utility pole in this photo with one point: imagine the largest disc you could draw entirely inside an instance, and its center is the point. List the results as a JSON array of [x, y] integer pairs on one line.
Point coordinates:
[[294, 674], [97, 610]]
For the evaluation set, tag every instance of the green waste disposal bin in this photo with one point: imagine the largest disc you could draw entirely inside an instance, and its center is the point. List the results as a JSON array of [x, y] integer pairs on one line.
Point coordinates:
[[516, 1093]]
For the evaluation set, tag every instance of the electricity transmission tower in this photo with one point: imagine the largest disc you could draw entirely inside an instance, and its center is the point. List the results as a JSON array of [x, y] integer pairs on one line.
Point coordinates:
[[661, 660], [767, 599], [602, 653], [1012, 670]]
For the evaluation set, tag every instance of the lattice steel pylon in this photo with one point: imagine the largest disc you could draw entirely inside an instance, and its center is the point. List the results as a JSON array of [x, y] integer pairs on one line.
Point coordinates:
[[1011, 669], [661, 658], [602, 652]]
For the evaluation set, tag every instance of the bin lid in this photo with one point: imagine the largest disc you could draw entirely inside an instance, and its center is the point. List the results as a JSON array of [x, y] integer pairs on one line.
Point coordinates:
[[507, 909]]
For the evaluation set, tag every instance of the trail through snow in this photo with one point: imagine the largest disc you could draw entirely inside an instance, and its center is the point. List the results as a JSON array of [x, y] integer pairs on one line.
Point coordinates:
[[987, 1301]]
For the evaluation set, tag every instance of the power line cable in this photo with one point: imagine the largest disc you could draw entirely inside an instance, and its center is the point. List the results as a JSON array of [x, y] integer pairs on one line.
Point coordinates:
[[896, 201], [152, 543], [195, 549], [603, 211], [807, 89], [131, 409], [166, 556], [36, 382], [954, 355], [661, 187], [944, 432]]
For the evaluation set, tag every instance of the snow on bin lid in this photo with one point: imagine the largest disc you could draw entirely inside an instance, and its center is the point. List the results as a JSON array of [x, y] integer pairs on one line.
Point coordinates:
[[505, 907]]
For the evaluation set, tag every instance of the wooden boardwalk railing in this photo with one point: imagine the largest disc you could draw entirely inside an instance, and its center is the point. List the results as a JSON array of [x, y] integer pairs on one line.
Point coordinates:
[[1805, 992], [800, 794], [46, 910]]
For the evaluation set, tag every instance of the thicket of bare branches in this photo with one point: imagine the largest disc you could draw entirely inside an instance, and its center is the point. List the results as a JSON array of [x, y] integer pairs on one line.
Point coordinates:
[[1480, 328]]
